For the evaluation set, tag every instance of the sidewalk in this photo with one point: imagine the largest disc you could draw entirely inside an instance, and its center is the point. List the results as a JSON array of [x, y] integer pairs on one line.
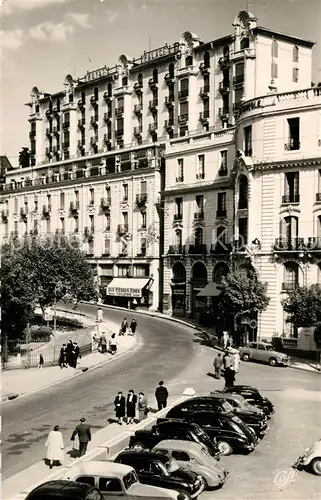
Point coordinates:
[[21, 381]]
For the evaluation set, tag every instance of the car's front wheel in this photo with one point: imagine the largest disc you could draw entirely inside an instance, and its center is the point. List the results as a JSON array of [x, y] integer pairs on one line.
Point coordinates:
[[245, 357], [225, 448], [272, 362], [183, 495], [316, 466]]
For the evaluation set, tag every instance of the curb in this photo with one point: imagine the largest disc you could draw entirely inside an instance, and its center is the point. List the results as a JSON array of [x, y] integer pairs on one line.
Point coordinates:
[[137, 345]]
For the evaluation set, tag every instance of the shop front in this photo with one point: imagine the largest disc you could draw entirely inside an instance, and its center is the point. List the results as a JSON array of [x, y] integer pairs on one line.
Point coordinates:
[[129, 292], [198, 282], [178, 285]]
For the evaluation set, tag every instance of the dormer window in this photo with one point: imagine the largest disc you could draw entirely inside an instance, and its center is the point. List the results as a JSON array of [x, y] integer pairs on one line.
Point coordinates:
[[245, 43], [189, 61]]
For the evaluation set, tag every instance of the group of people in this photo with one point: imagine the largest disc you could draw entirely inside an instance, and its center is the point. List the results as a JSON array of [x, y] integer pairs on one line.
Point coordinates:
[[124, 327], [69, 355], [128, 407], [104, 344], [229, 363]]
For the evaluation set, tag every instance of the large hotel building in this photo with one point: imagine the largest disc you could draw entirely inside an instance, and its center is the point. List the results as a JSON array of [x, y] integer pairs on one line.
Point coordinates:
[[173, 167]]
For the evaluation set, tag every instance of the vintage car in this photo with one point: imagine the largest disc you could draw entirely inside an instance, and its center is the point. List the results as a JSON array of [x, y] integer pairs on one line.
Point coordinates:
[[169, 429], [218, 404], [229, 432], [237, 401], [253, 397], [114, 480], [159, 469], [64, 490], [311, 460], [264, 352], [195, 457]]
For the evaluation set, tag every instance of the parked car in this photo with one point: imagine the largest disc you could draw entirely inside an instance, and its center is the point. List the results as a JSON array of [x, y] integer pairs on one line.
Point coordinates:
[[64, 490], [228, 430], [195, 457], [311, 459], [237, 401], [172, 429], [255, 420], [114, 480], [252, 395], [264, 352], [159, 469]]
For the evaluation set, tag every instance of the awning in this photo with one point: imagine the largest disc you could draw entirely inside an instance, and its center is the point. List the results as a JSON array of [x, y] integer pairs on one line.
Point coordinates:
[[127, 287], [210, 290]]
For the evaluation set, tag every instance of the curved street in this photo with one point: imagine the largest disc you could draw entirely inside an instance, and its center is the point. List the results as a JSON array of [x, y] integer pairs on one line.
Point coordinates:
[[175, 353]]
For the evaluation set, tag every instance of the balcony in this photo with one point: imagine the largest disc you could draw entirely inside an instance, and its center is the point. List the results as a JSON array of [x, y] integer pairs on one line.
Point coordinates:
[[119, 111], [204, 116], [238, 80], [199, 215], [204, 68], [292, 145], [169, 124], [290, 198], [107, 117], [197, 249], [141, 200], [289, 245], [314, 244], [222, 212], [107, 96], [169, 79], [56, 130], [119, 133], [287, 287], [204, 92], [153, 84], [178, 217], [152, 128], [81, 123], [93, 100], [105, 204], [221, 247], [32, 134], [46, 210], [224, 88], [138, 109], [107, 139], [93, 121], [138, 86], [176, 250], [122, 229], [74, 207], [224, 62], [48, 132], [183, 118], [138, 131], [81, 104], [169, 100], [5, 215], [183, 94], [153, 105]]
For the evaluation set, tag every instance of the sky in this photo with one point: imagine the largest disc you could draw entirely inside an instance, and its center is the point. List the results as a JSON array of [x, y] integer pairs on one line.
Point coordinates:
[[44, 40]]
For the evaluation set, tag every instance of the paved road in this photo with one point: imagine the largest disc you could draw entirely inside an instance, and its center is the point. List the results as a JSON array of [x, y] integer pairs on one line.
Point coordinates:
[[166, 349]]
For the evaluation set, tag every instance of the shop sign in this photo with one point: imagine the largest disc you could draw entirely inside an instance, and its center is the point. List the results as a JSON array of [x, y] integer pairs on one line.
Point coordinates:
[[250, 106], [124, 292], [161, 52]]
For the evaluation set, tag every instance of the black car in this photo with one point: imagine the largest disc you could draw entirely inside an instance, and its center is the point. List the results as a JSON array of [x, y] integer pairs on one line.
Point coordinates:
[[218, 403], [170, 429], [64, 490], [159, 469], [253, 396], [230, 433]]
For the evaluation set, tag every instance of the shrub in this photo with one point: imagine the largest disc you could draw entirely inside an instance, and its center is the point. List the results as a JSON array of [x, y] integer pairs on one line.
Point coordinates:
[[38, 333]]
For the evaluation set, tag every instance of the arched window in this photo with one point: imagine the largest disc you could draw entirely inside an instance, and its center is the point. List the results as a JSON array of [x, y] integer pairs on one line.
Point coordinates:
[[83, 97], [291, 276], [189, 61], [207, 60], [179, 272], [155, 75], [96, 93], [245, 43], [243, 192], [124, 81], [199, 271], [199, 237], [295, 54], [274, 48], [140, 79], [220, 270], [171, 70]]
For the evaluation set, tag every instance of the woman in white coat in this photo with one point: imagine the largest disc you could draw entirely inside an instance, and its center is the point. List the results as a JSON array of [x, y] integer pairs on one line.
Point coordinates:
[[55, 447]]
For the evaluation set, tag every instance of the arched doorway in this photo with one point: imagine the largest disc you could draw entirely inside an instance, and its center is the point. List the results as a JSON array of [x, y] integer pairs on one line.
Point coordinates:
[[198, 282], [178, 289]]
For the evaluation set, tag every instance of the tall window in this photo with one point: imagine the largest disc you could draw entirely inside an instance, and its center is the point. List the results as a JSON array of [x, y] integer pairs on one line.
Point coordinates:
[[245, 43], [92, 223], [201, 166], [83, 97], [143, 187], [143, 220], [294, 134], [221, 204], [199, 237], [125, 192], [123, 270], [140, 78], [206, 60], [107, 246], [125, 219], [62, 200], [179, 207], [143, 246], [15, 227], [76, 228], [91, 196], [125, 81], [291, 229], [189, 61], [180, 170], [248, 140], [239, 73], [48, 226], [107, 222], [155, 75], [178, 238], [221, 236], [274, 49], [199, 203], [96, 93], [274, 69], [184, 87], [35, 205], [291, 275], [171, 70], [62, 224], [295, 75], [295, 54], [291, 187], [223, 162]]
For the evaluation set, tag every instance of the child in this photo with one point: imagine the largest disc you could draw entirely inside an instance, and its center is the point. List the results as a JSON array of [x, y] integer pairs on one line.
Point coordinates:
[[41, 361]]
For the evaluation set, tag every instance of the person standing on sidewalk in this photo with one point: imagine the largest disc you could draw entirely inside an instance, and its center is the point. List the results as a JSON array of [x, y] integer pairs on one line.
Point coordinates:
[[55, 447], [120, 407], [123, 327], [113, 344], [41, 361], [84, 436], [63, 357], [142, 406], [161, 395], [229, 373], [69, 353], [133, 326], [217, 364], [103, 343], [131, 406]]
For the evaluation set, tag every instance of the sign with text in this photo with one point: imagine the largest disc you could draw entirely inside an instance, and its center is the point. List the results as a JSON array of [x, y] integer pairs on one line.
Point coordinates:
[[124, 292]]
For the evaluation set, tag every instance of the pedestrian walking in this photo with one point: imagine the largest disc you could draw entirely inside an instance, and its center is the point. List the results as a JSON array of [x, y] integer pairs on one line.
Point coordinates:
[[69, 353], [120, 407], [142, 406], [75, 354], [63, 357], [55, 447], [103, 343], [99, 317], [225, 339], [217, 364], [133, 326], [161, 395], [236, 359], [113, 344], [84, 436], [131, 406], [123, 327], [229, 373], [41, 361]]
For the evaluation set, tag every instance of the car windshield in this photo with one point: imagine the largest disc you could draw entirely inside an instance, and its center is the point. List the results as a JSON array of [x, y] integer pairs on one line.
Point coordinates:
[[172, 465], [227, 406], [130, 479]]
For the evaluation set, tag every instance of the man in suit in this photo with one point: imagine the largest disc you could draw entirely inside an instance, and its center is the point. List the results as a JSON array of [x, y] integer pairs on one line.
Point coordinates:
[[84, 435], [161, 395]]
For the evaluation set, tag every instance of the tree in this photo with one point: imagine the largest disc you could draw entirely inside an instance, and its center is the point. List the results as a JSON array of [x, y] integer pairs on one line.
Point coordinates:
[[242, 294], [24, 158], [36, 273], [303, 306]]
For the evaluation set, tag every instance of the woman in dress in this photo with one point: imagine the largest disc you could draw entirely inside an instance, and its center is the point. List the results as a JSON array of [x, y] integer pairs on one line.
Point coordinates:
[[142, 406], [120, 407], [131, 406], [55, 447]]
